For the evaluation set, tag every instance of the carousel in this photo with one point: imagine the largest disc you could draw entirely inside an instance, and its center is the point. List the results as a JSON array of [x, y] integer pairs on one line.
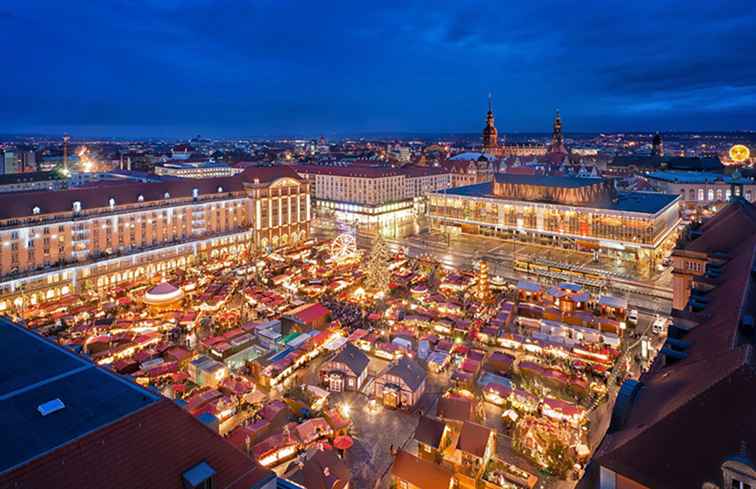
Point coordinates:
[[163, 295]]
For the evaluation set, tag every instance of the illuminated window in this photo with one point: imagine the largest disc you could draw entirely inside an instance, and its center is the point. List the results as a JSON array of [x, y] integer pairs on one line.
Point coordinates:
[[111, 202], [36, 210], [140, 198], [711, 194], [220, 189], [195, 193], [166, 195], [700, 194], [77, 206]]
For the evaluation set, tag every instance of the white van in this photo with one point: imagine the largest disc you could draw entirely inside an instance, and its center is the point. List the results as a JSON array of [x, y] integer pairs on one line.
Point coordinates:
[[660, 326]]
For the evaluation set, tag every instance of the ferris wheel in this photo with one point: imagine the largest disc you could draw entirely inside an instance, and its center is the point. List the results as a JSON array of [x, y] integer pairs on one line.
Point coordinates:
[[343, 247]]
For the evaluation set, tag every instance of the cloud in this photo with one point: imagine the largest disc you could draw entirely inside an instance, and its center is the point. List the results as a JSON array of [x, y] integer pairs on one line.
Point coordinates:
[[269, 66]]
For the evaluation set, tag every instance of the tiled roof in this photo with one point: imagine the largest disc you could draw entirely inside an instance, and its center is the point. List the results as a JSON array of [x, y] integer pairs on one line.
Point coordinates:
[[325, 470], [409, 371], [423, 171], [20, 204], [98, 195], [691, 414], [349, 171], [420, 473], [473, 438], [309, 313], [267, 174], [150, 448], [430, 431], [109, 432], [355, 358], [727, 229], [454, 408]]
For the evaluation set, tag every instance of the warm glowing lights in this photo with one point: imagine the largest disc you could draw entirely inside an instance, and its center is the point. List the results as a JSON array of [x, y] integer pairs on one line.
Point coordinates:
[[739, 153]]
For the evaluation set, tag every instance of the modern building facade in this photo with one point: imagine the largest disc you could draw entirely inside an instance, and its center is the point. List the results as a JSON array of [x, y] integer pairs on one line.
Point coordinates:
[[104, 234], [585, 214]]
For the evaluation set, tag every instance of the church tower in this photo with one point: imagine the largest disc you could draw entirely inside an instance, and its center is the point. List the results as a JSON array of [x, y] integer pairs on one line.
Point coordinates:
[[657, 146], [557, 138], [490, 134]]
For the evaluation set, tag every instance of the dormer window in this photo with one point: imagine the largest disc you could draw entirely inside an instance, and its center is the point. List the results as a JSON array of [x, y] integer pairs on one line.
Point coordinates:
[[77, 206], [36, 210], [199, 477], [220, 189], [140, 198], [195, 193], [111, 202], [166, 195]]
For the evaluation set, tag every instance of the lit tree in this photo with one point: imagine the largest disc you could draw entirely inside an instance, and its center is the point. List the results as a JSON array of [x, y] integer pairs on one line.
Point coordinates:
[[376, 270], [558, 457]]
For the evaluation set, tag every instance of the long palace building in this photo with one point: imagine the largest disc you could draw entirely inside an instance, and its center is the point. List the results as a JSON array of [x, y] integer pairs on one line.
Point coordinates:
[[585, 214], [55, 242]]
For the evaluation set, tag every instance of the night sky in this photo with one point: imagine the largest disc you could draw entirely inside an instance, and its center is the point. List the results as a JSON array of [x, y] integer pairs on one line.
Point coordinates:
[[275, 68]]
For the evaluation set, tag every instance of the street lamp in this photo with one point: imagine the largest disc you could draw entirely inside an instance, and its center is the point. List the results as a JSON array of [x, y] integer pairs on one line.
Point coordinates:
[[346, 410]]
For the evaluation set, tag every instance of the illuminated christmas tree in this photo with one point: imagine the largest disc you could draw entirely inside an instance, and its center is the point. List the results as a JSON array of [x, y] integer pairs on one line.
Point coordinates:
[[483, 291], [377, 275]]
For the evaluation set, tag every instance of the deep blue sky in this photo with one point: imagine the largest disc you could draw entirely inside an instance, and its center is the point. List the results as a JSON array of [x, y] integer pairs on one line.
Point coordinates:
[[272, 68]]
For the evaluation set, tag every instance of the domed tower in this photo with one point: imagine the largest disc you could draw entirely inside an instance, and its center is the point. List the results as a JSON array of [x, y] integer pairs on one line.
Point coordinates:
[[657, 146], [490, 134]]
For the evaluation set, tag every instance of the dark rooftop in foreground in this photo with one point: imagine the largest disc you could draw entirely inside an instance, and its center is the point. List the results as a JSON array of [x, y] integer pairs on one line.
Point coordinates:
[[35, 371], [68, 423], [641, 202]]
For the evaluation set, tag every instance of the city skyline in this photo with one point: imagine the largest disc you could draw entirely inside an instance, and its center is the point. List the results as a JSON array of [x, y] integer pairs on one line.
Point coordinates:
[[174, 69]]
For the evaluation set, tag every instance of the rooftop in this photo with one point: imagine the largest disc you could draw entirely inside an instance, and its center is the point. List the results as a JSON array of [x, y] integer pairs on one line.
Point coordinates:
[[355, 358], [349, 171], [409, 371], [98, 195], [690, 177], [27, 177], [641, 202], [420, 473], [693, 163], [683, 400], [99, 427], [547, 181], [36, 371]]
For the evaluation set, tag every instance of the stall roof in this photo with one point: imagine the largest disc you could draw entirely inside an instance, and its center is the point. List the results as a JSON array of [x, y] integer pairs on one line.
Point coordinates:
[[611, 301], [529, 286]]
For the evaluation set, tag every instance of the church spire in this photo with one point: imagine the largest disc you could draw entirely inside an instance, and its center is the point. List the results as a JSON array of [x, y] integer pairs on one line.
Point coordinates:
[[490, 134]]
